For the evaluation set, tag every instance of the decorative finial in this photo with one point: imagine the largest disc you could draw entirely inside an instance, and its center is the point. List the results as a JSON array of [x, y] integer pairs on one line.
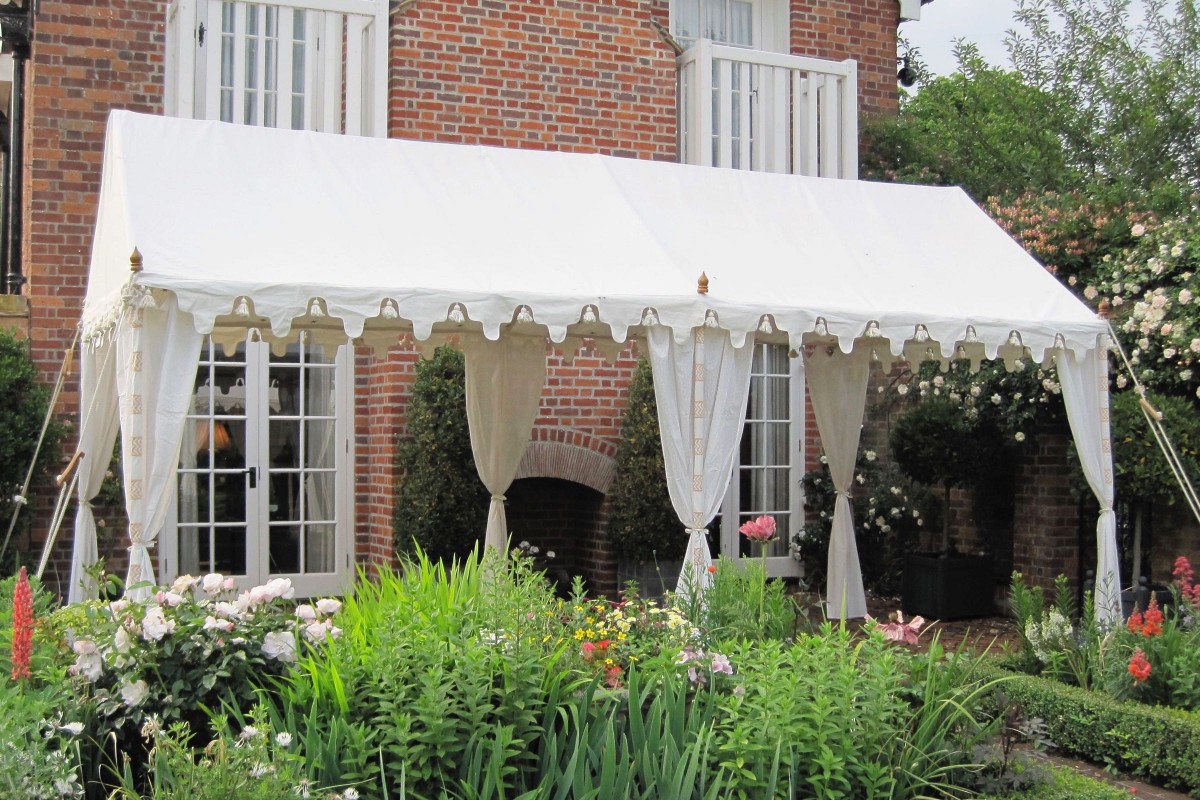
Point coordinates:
[[702, 284], [1104, 310], [135, 261]]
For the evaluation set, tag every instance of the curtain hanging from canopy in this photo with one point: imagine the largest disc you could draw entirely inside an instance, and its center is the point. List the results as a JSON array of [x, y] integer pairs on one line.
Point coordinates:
[[837, 383], [504, 385], [701, 386], [1085, 395]]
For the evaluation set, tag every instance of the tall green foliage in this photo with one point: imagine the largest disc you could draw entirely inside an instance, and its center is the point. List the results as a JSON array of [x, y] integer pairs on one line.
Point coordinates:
[[441, 505], [23, 402], [1098, 96], [981, 128], [643, 525]]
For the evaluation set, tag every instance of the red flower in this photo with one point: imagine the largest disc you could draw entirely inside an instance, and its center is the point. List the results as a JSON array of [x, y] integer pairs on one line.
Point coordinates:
[[1149, 624], [612, 676], [588, 651], [22, 624], [1154, 618], [712, 568], [1139, 666]]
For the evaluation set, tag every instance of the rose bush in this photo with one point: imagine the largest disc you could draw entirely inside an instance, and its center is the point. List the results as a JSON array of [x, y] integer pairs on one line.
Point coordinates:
[[195, 646]]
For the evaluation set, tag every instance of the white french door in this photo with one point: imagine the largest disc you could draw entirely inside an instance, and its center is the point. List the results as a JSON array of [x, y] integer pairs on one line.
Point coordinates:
[[264, 473], [316, 65], [768, 471]]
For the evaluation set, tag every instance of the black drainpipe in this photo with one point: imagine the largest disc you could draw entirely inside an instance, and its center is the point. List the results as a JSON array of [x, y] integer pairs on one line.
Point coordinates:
[[15, 30]]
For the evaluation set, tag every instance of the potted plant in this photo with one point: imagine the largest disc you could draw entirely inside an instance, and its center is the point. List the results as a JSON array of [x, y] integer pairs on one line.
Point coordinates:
[[936, 444]]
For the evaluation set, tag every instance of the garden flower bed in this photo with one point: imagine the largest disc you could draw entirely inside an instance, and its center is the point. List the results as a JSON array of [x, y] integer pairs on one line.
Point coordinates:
[[474, 681]]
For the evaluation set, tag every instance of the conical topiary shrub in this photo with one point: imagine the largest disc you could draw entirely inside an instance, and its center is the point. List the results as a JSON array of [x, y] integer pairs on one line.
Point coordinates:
[[643, 525], [441, 505]]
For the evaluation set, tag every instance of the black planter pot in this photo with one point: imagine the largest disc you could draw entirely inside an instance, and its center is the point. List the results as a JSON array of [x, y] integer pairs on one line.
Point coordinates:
[[955, 587], [1140, 597]]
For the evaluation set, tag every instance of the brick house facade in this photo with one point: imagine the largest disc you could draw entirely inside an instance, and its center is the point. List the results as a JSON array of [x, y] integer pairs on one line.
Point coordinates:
[[580, 76]]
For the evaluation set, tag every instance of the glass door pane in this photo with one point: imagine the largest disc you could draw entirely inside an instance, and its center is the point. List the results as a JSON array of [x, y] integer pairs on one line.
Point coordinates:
[[301, 470], [763, 482], [213, 479]]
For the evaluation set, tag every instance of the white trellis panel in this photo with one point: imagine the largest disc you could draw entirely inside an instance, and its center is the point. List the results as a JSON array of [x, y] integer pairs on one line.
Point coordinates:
[[312, 64]]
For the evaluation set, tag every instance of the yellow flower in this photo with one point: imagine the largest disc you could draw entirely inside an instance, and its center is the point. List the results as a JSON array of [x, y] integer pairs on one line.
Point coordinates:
[[591, 634], [621, 637], [578, 633], [608, 662]]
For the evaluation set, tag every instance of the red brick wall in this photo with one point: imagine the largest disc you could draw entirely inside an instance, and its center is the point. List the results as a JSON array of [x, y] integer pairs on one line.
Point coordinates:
[[580, 76], [88, 57], [1046, 515], [864, 30]]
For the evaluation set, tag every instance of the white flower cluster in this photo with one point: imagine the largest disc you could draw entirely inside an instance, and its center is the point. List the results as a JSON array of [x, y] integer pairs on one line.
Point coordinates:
[[239, 621], [1052, 635]]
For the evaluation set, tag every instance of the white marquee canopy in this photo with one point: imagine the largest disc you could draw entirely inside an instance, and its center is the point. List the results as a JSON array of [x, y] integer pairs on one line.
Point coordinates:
[[374, 239]]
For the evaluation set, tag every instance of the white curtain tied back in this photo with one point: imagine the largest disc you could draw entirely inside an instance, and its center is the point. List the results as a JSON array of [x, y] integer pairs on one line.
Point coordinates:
[[504, 385], [701, 388], [837, 384]]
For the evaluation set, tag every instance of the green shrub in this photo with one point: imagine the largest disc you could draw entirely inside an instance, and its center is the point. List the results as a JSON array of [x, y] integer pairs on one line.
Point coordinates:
[[441, 505], [890, 512], [38, 758], [251, 764], [1160, 744], [24, 401], [731, 608], [643, 525], [1066, 784]]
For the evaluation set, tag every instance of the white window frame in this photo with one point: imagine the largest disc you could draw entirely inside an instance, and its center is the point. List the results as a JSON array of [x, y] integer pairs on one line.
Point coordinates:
[[257, 457], [770, 25], [782, 566]]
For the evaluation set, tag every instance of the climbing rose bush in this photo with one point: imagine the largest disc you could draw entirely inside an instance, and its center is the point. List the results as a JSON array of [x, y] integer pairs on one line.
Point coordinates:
[[193, 645]]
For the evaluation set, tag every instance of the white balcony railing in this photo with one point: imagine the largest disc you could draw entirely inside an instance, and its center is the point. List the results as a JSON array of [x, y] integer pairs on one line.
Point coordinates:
[[306, 64], [751, 109]]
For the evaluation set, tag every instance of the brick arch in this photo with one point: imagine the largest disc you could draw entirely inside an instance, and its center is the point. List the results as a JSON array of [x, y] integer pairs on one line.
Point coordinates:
[[572, 462]]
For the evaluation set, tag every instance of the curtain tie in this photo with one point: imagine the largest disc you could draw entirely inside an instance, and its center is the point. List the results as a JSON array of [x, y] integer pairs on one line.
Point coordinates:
[[499, 497], [86, 504], [702, 531], [843, 493]]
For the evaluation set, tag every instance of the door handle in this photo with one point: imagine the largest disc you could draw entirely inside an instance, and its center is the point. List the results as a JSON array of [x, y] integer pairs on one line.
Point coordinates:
[[252, 477]]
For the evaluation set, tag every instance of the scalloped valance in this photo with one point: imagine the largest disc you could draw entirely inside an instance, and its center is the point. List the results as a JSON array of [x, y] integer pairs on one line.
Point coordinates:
[[384, 238]]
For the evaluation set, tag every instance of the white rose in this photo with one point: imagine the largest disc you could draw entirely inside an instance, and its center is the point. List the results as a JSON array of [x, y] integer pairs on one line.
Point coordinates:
[[280, 645], [155, 626], [316, 631], [84, 647], [306, 612], [213, 583], [212, 623], [328, 605], [228, 610], [182, 584], [280, 587], [89, 665], [1138, 230], [134, 693], [121, 640]]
